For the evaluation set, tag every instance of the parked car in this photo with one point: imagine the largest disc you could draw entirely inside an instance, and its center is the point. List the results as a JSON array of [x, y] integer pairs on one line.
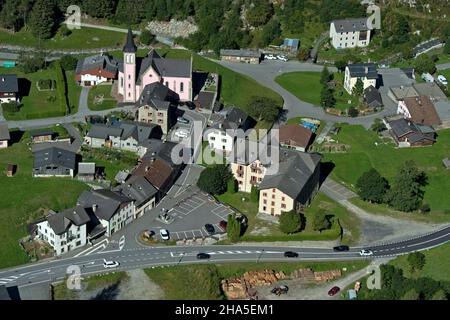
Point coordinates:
[[164, 233], [290, 254], [365, 253], [181, 133], [282, 58], [209, 228], [110, 264], [223, 225], [333, 291], [270, 57], [203, 255], [427, 77], [442, 79], [281, 289], [183, 120], [341, 248]]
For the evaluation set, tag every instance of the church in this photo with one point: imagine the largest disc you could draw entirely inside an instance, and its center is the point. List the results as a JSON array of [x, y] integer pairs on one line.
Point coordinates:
[[136, 73]]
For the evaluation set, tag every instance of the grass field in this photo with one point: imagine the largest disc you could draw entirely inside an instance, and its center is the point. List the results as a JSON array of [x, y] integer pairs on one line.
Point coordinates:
[[202, 282], [25, 198], [84, 38], [306, 86], [364, 154], [105, 91], [261, 230]]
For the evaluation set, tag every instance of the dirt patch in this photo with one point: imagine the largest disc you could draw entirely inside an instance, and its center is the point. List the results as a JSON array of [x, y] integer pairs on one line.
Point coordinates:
[[139, 287]]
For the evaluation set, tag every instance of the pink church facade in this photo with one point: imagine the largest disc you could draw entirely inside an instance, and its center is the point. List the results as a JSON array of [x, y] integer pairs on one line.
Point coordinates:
[[136, 73]]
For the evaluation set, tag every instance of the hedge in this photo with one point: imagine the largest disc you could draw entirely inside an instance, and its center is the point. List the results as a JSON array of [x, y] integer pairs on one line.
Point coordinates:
[[61, 87]]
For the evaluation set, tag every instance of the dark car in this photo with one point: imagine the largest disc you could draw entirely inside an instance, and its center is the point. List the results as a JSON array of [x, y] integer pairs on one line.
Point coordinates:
[[291, 254], [209, 228], [203, 255], [341, 248], [333, 291], [223, 225]]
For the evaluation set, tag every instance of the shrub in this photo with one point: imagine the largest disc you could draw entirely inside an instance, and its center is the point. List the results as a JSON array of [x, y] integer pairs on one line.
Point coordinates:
[[10, 107], [290, 222], [214, 180], [61, 87], [353, 112], [232, 186], [254, 194], [321, 221], [68, 62], [146, 37]]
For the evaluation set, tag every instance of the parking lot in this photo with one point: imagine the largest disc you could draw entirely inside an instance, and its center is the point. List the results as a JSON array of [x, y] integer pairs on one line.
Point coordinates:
[[190, 216]]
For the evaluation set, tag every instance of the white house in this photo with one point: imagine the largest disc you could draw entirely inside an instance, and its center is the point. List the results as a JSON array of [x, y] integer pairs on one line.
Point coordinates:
[[349, 33], [9, 88], [367, 72], [94, 70], [64, 231]]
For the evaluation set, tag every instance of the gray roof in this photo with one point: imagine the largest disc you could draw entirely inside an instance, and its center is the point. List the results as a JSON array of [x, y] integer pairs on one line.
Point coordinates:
[[402, 127], [103, 131], [129, 45], [230, 118], [103, 62], [61, 222], [443, 109], [140, 131], [9, 83], [157, 95], [430, 89], [295, 170], [4, 131], [45, 132], [121, 176], [206, 99], [372, 96], [86, 168], [250, 53], [159, 150], [54, 156], [137, 188], [106, 202], [403, 92], [350, 25], [359, 70]]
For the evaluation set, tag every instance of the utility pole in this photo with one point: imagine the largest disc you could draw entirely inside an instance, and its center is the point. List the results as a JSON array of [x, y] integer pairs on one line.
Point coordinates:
[[181, 258]]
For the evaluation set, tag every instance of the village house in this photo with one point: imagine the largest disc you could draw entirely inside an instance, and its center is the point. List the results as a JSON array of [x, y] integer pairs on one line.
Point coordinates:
[[409, 134], [136, 73], [86, 171], [372, 98], [54, 162], [95, 70], [419, 110], [223, 131], [349, 33], [129, 136], [294, 136], [157, 105], [252, 56], [397, 94], [9, 88], [41, 136], [367, 72], [4, 135]]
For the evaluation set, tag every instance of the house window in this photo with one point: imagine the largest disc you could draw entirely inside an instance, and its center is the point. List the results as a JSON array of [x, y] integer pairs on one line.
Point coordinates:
[[129, 77], [273, 203], [78, 243], [181, 86], [264, 194], [282, 198], [265, 201], [273, 196], [121, 82], [167, 84], [283, 206]]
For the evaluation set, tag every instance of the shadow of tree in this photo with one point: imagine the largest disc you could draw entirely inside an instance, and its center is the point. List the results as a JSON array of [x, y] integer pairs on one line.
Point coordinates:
[[108, 293]]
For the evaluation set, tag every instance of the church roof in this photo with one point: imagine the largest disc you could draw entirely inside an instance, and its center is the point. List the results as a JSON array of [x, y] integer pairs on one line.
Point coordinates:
[[129, 45]]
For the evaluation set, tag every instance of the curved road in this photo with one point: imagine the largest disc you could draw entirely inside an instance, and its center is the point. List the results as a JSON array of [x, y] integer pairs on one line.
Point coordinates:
[[173, 255]]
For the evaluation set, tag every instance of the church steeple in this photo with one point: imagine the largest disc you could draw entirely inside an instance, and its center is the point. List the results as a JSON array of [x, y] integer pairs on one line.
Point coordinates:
[[130, 47]]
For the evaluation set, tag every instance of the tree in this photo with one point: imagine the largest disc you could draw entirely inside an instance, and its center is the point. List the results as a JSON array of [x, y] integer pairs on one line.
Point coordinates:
[[327, 99], [411, 294], [9, 15], [303, 54], [254, 194], [447, 46], [270, 32], [146, 37], [372, 186], [325, 77], [358, 89], [378, 126], [416, 261], [232, 186], [424, 64], [214, 180], [340, 65], [321, 221], [42, 19], [260, 13], [407, 193], [32, 64], [68, 63], [353, 112], [290, 222], [99, 8], [439, 295], [262, 108], [233, 228]]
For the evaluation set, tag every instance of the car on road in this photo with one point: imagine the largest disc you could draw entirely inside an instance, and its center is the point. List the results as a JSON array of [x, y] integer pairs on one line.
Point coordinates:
[[110, 264], [183, 120], [290, 254], [209, 228], [181, 133], [279, 290], [282, 58], [333, 291], [203, 255], [442, 79], [223, 225], [341, 248], [365, 253], [164, 233], [270, 57]]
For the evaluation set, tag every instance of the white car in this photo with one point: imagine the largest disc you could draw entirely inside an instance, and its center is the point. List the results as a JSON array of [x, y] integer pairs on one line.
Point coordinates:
[[282, 58], [270, 57], [164, 234], [110, 264], [442, 79], [181, 133], [365, 253]]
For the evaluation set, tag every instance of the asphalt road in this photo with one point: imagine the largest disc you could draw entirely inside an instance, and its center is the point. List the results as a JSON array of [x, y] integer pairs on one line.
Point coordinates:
[[175, 255]]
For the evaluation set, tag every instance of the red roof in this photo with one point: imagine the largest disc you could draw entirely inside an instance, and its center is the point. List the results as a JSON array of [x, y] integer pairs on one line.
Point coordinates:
[[295, 135]]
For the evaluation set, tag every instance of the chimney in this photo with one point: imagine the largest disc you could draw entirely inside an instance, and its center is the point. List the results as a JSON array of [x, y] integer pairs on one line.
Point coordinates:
[[366, 69], [94, 207]]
